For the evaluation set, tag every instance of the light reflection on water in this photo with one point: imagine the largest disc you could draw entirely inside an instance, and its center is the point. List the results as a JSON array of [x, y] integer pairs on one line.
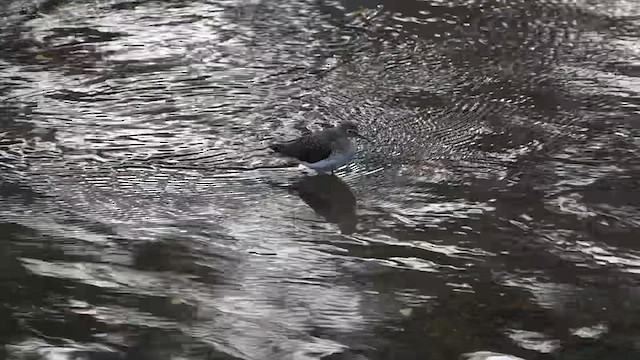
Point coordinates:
[[145, 219]]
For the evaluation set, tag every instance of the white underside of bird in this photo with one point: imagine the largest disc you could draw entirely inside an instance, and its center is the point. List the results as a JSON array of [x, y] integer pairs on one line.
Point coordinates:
[[334, 161]]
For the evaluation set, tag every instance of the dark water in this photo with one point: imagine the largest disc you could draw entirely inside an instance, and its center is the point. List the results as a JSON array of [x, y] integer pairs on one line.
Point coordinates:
[[496, 209]]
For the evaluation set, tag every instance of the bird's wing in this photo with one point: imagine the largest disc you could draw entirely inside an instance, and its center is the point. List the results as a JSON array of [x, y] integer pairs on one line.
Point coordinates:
[[308, 148]]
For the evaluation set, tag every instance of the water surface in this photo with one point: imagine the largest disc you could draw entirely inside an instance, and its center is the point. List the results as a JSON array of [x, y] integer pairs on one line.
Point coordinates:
[[497, 207]]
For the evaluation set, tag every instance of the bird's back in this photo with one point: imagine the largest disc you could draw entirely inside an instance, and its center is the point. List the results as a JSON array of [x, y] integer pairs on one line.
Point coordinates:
[[309, 148]]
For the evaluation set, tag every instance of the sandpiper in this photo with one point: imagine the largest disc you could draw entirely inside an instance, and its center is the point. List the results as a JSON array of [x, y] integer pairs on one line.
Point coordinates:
[[323, 151]]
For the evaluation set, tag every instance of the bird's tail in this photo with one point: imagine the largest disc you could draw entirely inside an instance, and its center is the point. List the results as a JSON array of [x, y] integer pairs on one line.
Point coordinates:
[[276, 147]]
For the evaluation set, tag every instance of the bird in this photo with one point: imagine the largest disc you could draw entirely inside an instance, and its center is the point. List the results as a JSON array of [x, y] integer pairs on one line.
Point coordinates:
[[323, 151]]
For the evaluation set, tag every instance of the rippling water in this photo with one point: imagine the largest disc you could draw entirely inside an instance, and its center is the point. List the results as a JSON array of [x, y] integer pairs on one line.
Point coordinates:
[[497, 207]]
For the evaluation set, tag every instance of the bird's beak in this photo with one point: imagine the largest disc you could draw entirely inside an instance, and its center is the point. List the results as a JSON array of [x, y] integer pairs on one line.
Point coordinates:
[[362, 137]]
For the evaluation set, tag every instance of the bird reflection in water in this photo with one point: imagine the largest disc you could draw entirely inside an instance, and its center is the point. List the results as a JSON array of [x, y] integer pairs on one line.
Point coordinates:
[[330, 198]]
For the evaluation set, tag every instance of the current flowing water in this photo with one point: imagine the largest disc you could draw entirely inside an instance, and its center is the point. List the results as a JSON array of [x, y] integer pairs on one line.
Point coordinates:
[[496, 208]]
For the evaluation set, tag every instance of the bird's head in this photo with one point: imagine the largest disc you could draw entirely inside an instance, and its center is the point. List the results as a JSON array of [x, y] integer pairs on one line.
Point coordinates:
[[351, 129]]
